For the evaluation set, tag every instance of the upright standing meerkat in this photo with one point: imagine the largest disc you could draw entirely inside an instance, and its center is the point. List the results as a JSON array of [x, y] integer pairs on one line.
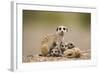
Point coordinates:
[[52, 40]]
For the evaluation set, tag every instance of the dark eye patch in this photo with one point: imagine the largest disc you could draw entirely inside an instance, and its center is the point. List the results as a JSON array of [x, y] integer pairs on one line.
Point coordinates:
[[56, 51], [59, 28], [62, 45], [69, 54], [51, 51], [65, 45], [64, 28], [71, 44]]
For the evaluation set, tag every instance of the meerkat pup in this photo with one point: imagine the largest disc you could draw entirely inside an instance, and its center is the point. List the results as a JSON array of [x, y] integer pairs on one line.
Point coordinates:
[[63, 46], [55, 52], [72, 51]]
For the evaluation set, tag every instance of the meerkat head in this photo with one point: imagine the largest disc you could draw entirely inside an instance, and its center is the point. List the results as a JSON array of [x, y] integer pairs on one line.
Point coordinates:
[[61, 30], [55, 52], [70, 45], [63, 46]]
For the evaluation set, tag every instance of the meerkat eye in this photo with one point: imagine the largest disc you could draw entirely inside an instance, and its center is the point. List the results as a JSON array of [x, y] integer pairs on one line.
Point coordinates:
[[71, 44], [62, 45], [59, 28], [64, 29], [65, 45], [51, 51], [55, 51]]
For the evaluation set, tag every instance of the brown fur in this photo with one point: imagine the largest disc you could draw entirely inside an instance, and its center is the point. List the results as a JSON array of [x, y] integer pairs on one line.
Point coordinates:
[[72, 53]]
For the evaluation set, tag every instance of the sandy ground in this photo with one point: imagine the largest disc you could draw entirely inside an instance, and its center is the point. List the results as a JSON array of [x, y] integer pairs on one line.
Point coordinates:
[[36, 58]]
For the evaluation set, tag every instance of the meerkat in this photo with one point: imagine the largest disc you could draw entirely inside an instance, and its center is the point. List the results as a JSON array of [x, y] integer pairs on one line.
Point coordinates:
[[51, 40], [63, 46], [70, 45], [55, 52], [72, 51], [59, 36]]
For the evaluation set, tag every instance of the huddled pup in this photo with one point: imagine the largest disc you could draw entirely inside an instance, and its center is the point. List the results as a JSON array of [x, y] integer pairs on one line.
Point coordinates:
[[72, 51], [55, 52], [63, 46]]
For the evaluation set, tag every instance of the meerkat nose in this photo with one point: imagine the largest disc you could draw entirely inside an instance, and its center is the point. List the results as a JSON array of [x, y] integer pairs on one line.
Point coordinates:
[[61, 31]]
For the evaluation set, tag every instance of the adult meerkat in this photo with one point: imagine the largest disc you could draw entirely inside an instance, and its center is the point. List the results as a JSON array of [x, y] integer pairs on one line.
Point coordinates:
[[72, 51], [52, 40]]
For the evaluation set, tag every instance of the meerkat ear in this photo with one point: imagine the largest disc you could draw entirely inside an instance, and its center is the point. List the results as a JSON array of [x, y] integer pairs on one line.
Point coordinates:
[[57, 29]]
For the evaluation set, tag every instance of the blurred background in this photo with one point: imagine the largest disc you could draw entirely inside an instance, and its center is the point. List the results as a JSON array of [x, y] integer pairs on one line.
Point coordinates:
[[38, 23]]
